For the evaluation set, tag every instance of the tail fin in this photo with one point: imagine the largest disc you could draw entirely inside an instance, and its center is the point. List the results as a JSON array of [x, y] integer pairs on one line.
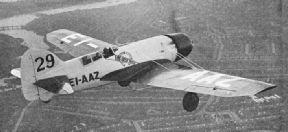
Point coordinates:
[[35, 63]]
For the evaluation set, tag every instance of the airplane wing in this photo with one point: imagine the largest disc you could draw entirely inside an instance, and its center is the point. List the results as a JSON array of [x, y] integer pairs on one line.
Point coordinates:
[[75, 44], [178, 77]]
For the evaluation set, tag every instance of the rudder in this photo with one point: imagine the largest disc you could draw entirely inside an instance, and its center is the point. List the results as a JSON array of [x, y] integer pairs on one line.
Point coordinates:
[[35, 64]]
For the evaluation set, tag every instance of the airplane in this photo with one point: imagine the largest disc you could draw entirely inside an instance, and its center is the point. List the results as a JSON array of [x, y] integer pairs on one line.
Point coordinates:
[[151, 61]]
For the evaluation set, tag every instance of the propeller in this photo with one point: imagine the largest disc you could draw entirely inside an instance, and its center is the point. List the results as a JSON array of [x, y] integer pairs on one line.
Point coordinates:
[[173, 22], [175, 27]]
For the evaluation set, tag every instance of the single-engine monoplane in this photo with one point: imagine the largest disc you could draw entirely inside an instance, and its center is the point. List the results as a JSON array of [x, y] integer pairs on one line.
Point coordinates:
[[150, 61]]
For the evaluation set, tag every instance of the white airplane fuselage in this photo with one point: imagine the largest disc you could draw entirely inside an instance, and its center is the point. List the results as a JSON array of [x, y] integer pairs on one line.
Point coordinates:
[[87, 76]]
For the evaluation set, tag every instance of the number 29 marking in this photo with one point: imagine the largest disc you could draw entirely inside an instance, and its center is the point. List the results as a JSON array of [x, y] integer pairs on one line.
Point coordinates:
[[50, 62]]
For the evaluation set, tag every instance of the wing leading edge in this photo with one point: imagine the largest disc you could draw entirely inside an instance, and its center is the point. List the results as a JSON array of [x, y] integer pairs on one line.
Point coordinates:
[[174, 76]]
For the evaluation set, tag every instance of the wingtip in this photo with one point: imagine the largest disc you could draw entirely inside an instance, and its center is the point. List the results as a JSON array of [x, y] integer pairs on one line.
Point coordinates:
[[266, 89]]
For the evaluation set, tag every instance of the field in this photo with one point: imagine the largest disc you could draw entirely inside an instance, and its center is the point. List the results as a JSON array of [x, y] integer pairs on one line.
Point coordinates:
[[32, 6], [245, 38]]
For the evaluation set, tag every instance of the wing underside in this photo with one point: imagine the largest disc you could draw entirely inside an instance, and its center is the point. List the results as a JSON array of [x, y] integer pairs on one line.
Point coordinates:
[[178, 77]]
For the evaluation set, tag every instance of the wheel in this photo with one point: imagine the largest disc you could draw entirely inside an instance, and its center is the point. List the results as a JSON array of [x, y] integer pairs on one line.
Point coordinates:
[[46, 102], [124, 83], [190, 101]]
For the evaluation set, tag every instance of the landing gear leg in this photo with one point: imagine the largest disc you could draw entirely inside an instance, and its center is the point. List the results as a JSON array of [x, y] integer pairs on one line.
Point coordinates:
[[190, 101], [127, 84], [133, 87]]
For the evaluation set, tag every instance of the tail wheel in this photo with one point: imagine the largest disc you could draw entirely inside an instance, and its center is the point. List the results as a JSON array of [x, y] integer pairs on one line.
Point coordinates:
[[190, 101], [124, 83]]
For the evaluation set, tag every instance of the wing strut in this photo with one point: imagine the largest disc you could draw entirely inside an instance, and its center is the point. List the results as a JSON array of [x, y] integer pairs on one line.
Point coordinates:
[[185, 59]]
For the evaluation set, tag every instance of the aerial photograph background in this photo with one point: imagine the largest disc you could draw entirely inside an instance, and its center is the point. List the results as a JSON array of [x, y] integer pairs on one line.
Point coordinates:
[[246, 38]]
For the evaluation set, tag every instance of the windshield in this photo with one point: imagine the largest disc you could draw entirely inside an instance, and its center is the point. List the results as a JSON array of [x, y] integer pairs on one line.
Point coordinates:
[[110, 51]]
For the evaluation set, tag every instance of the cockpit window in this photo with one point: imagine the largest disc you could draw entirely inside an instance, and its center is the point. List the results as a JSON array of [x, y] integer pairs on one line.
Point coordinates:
[[86, 60], [91, 57], [96, 56]]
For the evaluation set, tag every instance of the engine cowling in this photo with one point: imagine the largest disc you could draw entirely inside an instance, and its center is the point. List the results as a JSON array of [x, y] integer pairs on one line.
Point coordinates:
[[183, 44]]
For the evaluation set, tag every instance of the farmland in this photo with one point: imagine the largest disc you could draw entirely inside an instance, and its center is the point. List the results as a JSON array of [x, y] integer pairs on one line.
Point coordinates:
[[242, 38]]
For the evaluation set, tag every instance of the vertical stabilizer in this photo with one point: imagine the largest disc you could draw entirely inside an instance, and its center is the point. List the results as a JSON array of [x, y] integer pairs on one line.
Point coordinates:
[[35, 63]]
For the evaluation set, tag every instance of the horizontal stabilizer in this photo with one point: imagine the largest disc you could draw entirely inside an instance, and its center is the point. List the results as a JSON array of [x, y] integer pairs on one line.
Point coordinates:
[[53, 84], [66, 89], [16, 72]]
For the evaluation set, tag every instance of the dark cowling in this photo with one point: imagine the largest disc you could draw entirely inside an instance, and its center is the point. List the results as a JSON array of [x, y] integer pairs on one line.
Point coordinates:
[[183, 44]]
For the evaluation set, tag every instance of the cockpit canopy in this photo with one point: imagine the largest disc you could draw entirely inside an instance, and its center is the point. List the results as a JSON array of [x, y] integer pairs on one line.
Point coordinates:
[[87, 59], [107, 52]]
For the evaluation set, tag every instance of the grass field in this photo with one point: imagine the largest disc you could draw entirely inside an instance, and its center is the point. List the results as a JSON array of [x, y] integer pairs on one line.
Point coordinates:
[[10, 50]]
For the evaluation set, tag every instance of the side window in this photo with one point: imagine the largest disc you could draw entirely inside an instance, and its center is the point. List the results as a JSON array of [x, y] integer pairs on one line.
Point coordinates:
[[86, 60], [96, 56]]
